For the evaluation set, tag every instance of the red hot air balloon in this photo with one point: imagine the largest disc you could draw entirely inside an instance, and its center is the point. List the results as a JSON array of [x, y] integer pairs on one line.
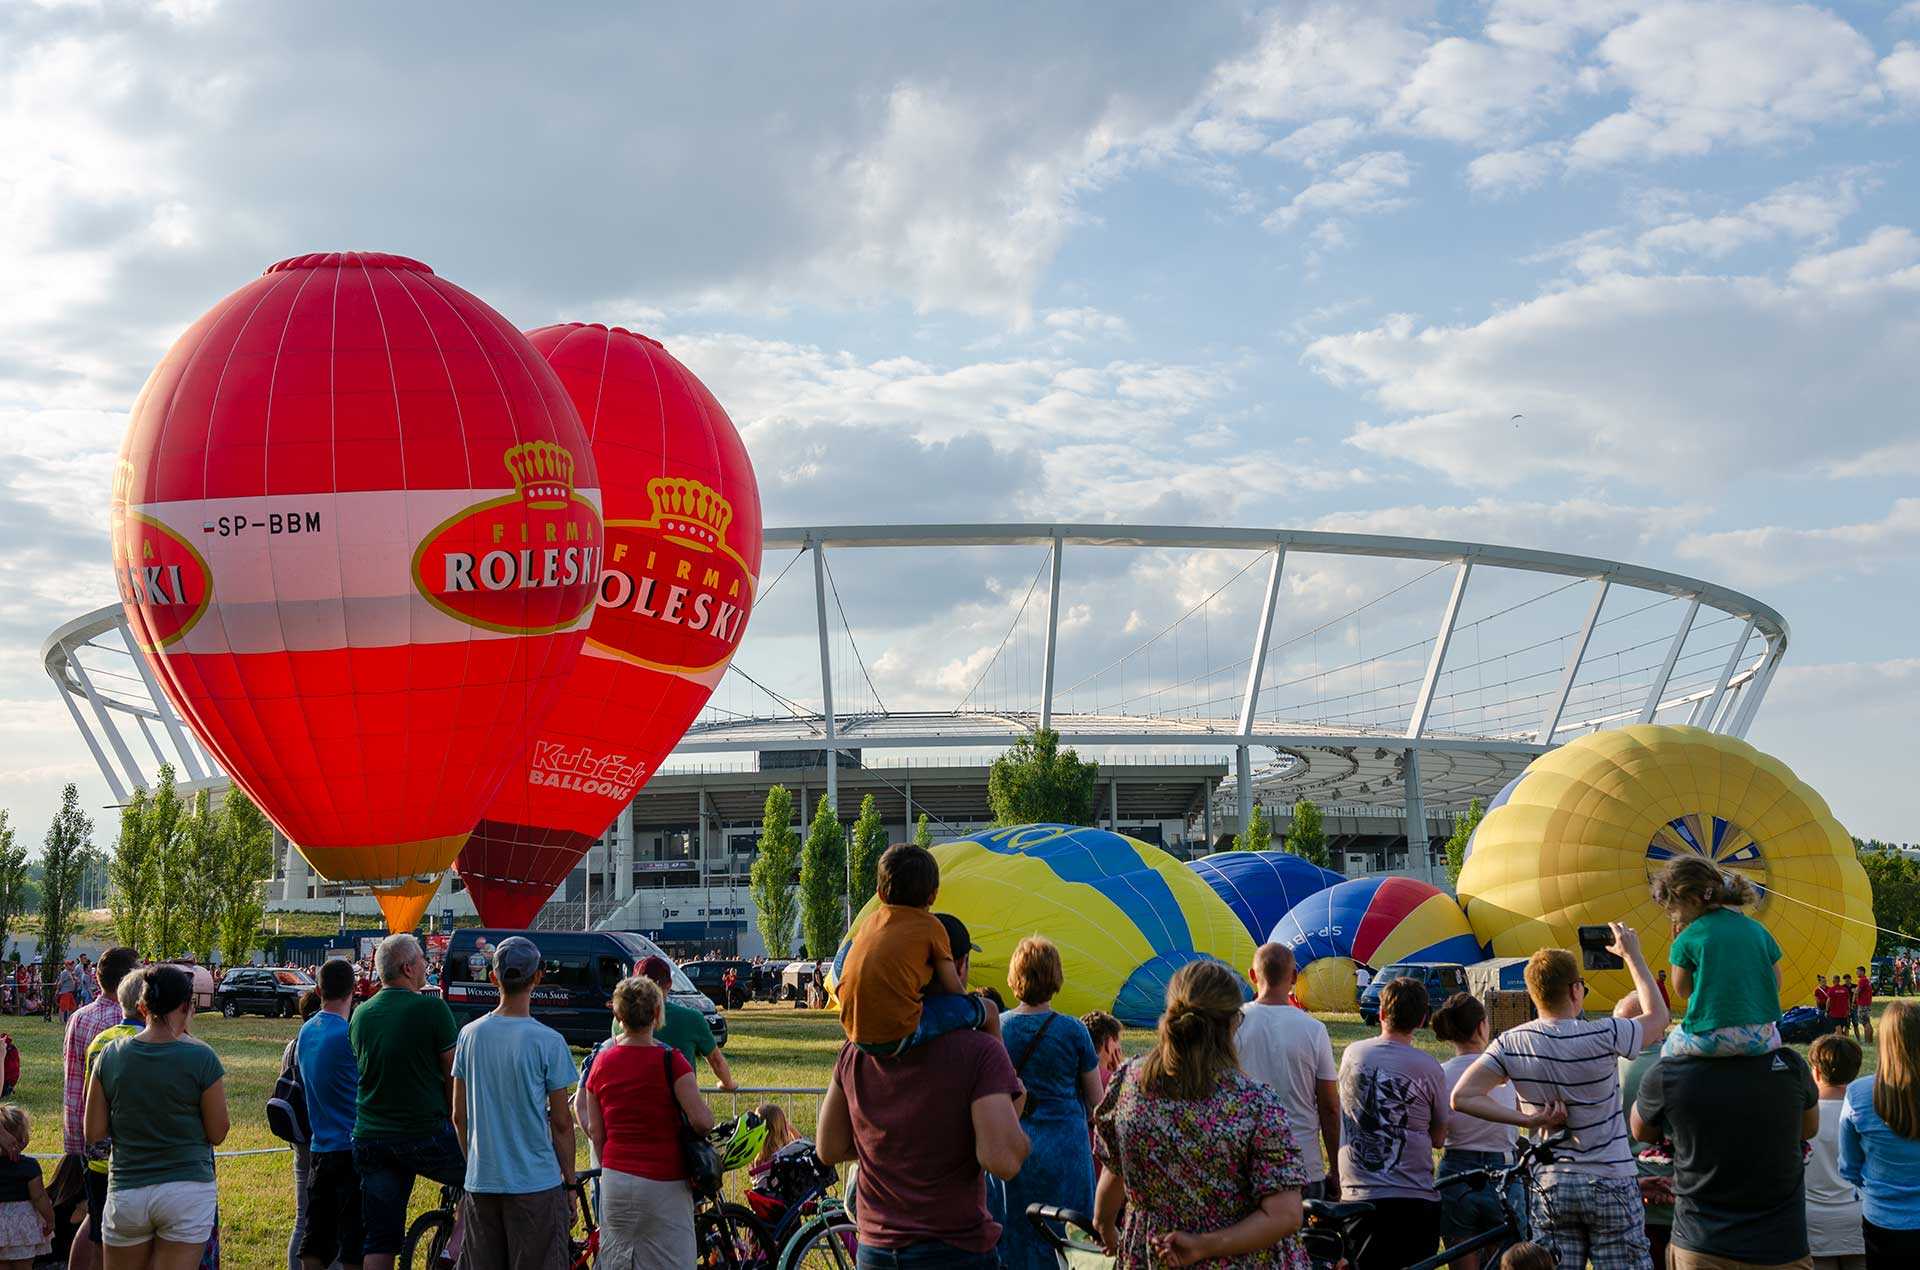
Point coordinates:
[[356, 529], [683, 559]]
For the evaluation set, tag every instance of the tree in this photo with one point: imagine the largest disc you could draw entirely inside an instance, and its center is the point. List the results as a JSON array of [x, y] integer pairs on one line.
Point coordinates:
[[244, 858], [198, 900], [771, 880], [863, 864], [149, 824], [922, 835], [1306, 836], [180, 834], [823, 884], [1037, 782], [13, 878], [1257, 834], [1463, 827], [68, 838], [1895, 878]]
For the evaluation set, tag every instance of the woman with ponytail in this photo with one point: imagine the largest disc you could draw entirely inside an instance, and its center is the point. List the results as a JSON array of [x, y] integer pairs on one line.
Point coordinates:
[[1202, 1157], [1726, 964]]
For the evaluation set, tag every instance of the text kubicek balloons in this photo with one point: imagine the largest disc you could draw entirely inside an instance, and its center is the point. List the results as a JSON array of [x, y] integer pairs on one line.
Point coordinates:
[[683, 560], [356, 528]]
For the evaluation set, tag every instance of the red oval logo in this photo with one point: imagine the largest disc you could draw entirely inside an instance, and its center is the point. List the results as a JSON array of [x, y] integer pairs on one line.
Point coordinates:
[[521, 564], [674, 595], [164, 583]]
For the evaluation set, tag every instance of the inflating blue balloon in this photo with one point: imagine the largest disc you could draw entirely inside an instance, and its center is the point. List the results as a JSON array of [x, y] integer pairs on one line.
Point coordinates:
[[1261, 887]]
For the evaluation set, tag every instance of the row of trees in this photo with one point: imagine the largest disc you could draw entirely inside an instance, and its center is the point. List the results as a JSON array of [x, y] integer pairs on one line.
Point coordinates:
[[1306, 835], [67, 854], [836, 872], [186, 876], [1895, 877]]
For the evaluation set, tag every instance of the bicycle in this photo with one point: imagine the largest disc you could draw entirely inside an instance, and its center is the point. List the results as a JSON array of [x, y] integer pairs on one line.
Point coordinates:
[[766, 1230], [433, 1240], [1071, 1251], [1328, 1229]]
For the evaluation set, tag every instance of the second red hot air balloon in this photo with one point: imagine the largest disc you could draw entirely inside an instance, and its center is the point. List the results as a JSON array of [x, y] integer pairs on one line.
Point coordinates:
[[355, 528], [682, 562]]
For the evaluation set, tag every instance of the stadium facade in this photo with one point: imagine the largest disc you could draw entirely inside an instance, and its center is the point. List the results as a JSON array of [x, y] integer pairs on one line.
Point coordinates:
[[1391, 680]]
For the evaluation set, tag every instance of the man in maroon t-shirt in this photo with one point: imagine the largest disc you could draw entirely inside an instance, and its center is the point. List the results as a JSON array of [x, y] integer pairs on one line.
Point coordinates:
[[926, 1127]]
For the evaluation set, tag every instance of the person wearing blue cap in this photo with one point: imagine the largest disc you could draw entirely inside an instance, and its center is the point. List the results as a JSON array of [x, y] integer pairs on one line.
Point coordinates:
[[512, 1079]]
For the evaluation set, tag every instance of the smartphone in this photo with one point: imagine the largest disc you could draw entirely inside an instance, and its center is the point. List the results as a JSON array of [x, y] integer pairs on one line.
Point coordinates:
[[1593, 949]]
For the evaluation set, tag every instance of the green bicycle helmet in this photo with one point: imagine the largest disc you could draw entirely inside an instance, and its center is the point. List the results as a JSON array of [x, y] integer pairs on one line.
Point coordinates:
[[743, 1148]]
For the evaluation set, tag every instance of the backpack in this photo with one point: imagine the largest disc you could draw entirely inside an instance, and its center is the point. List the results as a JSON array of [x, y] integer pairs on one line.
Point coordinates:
[[287, 1105]]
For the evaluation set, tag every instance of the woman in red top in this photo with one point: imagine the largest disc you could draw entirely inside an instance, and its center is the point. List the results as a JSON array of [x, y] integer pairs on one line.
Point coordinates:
[[631, 1104]]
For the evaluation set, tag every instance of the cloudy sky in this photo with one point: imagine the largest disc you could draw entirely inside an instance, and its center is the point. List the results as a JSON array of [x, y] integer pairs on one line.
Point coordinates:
[[1196, 263]]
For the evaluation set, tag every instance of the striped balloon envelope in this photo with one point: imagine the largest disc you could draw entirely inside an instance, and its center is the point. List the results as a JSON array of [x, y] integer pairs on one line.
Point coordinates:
[[1373, 922], [1124, 914], [682, 564], [1578, 838], [356, 530], [1262, 886]]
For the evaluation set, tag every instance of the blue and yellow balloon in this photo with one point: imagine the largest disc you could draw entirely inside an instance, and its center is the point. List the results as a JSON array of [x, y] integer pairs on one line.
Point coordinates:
[[1124, 914]]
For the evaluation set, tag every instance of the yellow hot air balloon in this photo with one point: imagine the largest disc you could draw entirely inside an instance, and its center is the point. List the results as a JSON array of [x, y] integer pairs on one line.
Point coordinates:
[[1586, 827]]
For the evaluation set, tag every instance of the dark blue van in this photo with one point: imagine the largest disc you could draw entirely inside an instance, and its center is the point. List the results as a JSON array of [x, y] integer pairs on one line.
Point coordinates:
[[575, 996]]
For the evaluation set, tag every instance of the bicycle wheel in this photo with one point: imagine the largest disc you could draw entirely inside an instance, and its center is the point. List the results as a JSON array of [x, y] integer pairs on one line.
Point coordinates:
[[425, 1247], [730, 1237], [825, 1243]]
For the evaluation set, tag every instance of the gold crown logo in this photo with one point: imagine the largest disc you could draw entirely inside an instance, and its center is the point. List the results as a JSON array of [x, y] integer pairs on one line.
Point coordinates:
[[542, 473], [688, 512]]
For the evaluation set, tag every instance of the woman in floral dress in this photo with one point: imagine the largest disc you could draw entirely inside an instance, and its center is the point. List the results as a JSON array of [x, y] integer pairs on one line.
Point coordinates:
[[1201, 1155]]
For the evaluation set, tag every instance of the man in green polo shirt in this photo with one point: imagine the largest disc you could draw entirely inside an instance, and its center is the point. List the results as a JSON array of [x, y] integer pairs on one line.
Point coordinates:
[[682, 1027], [402, 1041]]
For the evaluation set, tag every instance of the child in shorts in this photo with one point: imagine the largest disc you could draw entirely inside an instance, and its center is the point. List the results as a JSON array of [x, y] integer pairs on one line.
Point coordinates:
[[899, 987], [1725, 963]]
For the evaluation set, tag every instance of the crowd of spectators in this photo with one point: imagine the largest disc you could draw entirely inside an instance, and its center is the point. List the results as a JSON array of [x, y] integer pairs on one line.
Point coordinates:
[[1721, 1149]]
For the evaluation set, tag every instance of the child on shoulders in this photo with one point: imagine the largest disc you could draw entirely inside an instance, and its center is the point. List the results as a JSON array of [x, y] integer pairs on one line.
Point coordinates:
[[1725, 963], [899, 987]]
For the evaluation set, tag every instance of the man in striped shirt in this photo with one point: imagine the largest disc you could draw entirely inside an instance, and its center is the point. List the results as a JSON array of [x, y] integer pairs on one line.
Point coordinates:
[[1565, 1069]]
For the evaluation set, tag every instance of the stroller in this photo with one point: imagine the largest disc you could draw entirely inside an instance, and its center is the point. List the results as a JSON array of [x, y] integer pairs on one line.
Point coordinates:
[[1071, 1236]]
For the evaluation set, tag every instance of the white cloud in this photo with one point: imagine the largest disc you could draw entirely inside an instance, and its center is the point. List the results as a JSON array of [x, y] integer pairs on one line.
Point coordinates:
[[1901, 71], [1775, 555], [1887, 252], [1712, 72], [1509, 171], [1805, 210], [1314, 143], [1477, 92], [1333, 60], [1656, 379], [1371, 182]]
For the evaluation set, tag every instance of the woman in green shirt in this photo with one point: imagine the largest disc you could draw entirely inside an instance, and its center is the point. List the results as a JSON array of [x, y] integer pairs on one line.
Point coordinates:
[[161, 1096]]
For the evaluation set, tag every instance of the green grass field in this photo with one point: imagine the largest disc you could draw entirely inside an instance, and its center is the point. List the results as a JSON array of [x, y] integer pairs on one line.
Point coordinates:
[[770, 1048]]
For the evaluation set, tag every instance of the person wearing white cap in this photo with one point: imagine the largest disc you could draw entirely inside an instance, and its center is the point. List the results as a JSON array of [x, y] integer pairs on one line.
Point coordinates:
[[512, 1080]]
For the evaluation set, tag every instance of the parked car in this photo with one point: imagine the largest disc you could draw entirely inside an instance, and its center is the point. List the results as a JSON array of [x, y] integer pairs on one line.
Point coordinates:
[[575, 996], [1499, 982], [261, 990], [1442, 980], [711, 978]]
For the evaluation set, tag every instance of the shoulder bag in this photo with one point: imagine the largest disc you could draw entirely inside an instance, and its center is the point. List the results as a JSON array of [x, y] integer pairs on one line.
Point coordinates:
[[702, 1162], [1020, 1065]]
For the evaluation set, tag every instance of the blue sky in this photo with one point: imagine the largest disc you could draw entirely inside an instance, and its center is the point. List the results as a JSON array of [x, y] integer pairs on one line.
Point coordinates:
[[1253, 265]]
